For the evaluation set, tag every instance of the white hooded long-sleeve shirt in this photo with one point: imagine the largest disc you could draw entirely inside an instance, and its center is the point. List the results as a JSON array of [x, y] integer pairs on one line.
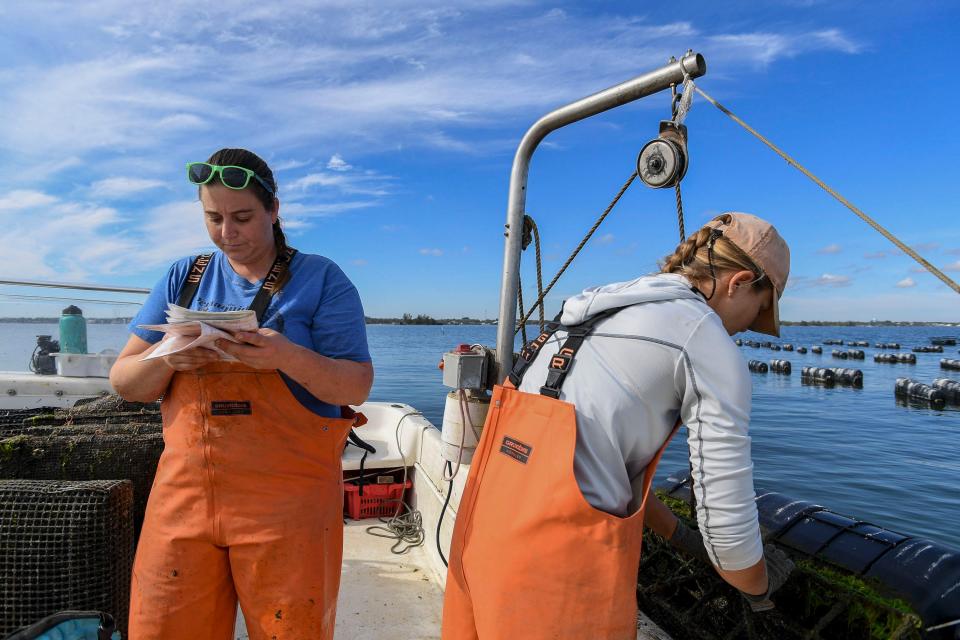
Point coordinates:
[[665, 355]]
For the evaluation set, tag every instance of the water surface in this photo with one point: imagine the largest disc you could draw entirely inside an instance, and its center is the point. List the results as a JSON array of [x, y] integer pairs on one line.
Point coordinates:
[[856, 451]]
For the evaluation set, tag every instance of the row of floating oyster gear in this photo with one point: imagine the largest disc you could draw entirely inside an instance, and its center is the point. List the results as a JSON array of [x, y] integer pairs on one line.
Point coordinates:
[[942, 391], [907, 388], [852, 354], [829, 376], [896, 358], [937, 347], [949, 363]]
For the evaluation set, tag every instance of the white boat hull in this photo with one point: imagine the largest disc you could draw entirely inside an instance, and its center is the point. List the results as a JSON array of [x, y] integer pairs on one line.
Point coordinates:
[[24, 390]]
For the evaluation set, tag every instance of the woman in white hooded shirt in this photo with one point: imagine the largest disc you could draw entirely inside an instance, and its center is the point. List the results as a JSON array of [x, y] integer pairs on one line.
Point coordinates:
[[667, 353]]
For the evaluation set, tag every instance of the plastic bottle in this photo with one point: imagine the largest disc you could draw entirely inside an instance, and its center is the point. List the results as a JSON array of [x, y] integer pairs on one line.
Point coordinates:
[[73, 331]]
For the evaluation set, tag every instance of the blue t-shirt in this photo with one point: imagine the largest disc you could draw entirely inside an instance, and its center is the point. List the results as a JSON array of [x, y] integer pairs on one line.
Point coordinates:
[[318, 308]]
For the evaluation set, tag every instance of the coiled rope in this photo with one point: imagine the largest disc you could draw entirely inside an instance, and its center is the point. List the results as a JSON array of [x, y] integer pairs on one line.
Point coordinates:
[[530, 232], [849, 205], [405, 526]]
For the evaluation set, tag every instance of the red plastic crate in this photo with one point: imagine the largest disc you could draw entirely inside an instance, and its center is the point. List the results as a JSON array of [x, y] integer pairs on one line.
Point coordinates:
[[376, 501]]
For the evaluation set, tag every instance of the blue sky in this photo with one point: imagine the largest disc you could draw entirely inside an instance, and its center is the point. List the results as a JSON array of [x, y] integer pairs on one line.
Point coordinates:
[[392, 125]]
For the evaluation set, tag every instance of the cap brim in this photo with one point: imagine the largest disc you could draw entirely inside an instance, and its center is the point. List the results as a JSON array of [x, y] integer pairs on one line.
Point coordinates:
[[768, 321]]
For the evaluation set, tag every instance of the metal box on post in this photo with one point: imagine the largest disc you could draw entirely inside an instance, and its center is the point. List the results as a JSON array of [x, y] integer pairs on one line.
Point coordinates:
[[464, 368]]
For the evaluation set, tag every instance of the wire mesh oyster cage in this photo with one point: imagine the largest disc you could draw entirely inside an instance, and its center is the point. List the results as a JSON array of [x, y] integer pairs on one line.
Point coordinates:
[[64, 545], [852, 580], [106, 439]]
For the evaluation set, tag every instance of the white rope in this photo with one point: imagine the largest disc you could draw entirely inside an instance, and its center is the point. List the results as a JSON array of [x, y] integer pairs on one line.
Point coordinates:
[[686, 99]]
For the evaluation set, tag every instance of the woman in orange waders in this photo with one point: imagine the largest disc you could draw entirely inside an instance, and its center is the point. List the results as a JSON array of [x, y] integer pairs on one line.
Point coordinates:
[[247, 501], [548, 533]]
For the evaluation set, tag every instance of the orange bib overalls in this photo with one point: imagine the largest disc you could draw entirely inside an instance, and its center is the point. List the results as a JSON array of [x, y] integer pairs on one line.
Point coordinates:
[[247, 503], [530, 558]]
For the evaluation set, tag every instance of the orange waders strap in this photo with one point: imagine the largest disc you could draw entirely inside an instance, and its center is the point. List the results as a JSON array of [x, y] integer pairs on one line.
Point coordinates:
[[189, 289], [276, 278]]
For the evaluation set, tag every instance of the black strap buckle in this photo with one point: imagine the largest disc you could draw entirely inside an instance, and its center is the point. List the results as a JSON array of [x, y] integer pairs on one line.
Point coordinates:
[[550, 392]]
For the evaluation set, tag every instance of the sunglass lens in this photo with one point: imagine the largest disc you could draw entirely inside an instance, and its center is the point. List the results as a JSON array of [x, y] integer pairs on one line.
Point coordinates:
[[233, 177], [199, 173]]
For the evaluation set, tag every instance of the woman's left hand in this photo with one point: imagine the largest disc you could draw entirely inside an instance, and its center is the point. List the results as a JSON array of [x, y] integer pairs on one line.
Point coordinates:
[[263, 349]]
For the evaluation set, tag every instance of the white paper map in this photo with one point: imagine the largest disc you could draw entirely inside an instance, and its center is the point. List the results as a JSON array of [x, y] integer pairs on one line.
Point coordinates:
[[188, 329]]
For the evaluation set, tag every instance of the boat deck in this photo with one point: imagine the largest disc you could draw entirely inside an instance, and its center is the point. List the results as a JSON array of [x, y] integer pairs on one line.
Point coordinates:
[[383, 594], [387, 595]]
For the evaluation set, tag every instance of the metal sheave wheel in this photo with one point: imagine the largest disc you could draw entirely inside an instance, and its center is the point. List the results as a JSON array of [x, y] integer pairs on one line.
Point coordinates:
[[661, 163]]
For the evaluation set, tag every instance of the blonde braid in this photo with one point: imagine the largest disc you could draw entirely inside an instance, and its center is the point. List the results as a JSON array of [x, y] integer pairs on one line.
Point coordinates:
[[685, 252], [691, 257]]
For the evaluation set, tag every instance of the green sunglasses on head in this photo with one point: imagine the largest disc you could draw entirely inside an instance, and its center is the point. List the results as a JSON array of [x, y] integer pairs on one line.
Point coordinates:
[[230, 176]]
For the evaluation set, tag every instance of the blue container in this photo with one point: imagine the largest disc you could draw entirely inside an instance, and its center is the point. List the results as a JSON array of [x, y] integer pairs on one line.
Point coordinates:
[[73, 331]]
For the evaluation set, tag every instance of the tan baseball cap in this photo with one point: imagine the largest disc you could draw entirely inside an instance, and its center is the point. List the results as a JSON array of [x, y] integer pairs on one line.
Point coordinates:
[[759, 239]]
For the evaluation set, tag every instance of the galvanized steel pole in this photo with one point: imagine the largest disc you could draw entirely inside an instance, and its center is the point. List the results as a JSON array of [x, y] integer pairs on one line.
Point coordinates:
[[691, 64]]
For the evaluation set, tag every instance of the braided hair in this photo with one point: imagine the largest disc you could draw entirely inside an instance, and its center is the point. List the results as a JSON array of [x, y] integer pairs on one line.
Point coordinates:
[[707, 252]]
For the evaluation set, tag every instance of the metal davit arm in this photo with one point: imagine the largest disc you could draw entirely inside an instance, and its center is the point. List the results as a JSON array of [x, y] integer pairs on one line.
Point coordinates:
[[691, 64]]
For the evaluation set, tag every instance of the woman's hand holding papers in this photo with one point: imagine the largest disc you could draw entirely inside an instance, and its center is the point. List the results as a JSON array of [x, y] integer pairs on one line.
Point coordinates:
[[261, 349]]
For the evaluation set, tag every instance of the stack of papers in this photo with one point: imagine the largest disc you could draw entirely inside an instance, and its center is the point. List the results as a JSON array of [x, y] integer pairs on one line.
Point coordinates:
[[188, 329]]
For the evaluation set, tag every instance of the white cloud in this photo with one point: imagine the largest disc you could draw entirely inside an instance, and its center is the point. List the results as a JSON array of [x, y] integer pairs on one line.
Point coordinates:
[[172, 231], [386, 72], [337, 163], [66, 240], [290, 210], [953, 266], [827, 280], [606, 239], [25, 199], [830, 249], [431, 252], [120, 187], [906, 283], [287, 165], [831, 280], [155, 85], [764, 48], [359, 262]]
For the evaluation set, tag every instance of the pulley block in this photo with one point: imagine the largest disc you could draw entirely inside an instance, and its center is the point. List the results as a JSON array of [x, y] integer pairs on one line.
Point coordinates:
[[662, 162]]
